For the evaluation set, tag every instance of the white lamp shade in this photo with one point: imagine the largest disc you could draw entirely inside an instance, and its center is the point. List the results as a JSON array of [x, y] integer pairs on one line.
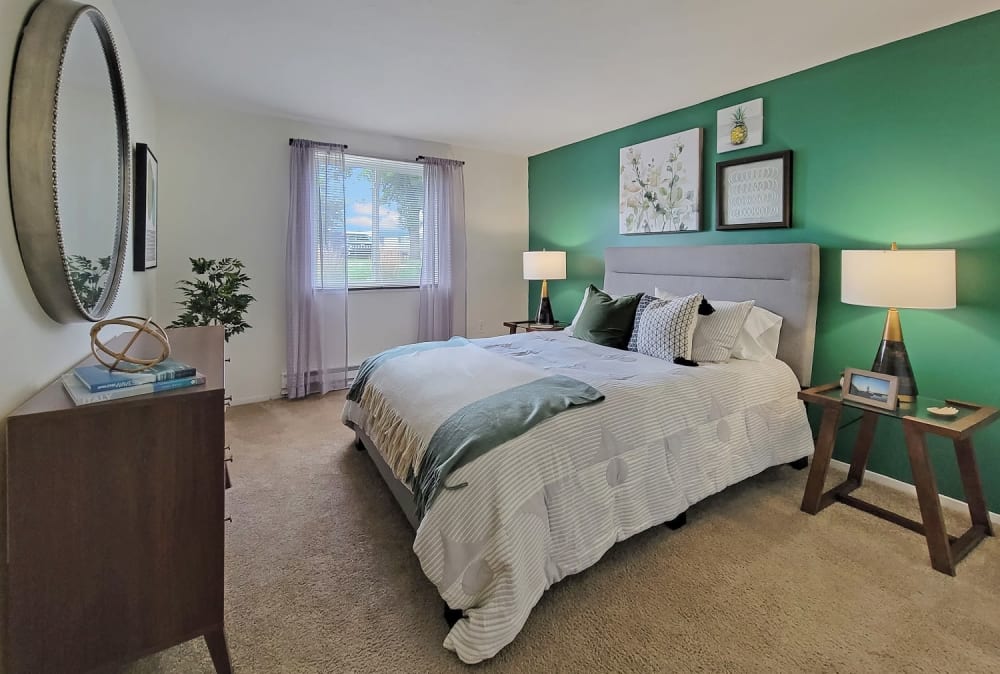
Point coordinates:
[[545, 265], [902, 279]]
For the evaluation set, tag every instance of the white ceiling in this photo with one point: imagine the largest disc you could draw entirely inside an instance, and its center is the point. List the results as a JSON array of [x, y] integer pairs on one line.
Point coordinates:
[[515, 76]]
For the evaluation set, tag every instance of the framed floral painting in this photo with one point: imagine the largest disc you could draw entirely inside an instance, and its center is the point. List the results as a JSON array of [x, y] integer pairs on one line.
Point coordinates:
[[660, 185]]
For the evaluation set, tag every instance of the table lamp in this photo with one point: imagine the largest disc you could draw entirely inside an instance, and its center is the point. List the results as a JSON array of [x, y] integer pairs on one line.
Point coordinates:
[[545, 266], [898, 279]]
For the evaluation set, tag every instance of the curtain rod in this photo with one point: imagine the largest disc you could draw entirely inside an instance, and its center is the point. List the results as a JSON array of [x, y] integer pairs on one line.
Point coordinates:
[[440, 159], [420, 158], [317, 142]]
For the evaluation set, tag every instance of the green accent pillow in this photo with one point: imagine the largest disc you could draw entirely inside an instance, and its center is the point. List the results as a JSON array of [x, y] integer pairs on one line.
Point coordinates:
[[605, 320]]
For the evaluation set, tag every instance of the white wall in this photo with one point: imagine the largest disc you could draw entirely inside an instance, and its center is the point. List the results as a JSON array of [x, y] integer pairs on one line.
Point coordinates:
[[224, 192], [35, 348]]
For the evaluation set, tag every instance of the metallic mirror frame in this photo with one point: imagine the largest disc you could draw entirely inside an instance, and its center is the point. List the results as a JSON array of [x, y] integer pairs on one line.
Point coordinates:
[[31, 153]]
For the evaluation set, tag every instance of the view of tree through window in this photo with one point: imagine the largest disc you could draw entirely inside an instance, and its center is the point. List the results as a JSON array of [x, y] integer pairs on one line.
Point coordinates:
[[378, 207]]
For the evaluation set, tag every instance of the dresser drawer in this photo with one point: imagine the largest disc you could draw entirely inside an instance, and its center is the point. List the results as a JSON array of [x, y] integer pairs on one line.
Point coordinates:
[[115, 531]]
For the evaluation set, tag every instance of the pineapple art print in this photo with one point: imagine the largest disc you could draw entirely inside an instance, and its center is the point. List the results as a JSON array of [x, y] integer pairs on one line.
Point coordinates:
[[738, 132], [740, 126], [660, 185]]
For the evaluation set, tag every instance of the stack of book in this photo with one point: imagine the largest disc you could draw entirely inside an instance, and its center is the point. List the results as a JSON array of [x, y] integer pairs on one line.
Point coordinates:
[[95, 383]]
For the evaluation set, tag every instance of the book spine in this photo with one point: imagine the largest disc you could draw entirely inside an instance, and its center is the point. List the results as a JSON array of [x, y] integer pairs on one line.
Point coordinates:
[[171, 384], [113, 385], [138, 380], [142, 389], [183, 373]]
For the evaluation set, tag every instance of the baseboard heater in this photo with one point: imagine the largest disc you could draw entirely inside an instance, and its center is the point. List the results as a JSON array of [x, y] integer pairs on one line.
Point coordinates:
[[314, 377]]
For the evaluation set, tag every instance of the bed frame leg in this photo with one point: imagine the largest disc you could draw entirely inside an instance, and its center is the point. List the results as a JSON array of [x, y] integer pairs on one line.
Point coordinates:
[[800, 464], [678, 521], [452, 615]]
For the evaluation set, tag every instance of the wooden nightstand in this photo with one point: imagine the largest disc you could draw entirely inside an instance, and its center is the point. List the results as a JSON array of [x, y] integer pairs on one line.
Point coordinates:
[[945, 550], [531, 326]]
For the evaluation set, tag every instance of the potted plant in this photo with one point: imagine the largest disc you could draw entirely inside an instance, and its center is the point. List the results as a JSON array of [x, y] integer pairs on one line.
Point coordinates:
[[216, 297]]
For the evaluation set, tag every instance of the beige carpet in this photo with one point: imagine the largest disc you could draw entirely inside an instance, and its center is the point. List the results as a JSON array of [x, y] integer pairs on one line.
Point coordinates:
[[321, 578]]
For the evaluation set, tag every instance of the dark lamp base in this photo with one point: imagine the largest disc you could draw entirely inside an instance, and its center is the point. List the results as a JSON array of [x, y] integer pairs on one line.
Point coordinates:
[[545, 316], [893, 359]]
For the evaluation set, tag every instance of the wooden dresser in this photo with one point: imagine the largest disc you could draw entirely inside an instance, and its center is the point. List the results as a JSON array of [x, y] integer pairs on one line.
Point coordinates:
[[114, 522]]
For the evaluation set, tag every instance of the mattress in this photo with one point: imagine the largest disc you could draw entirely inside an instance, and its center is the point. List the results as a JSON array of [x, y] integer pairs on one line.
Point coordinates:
[[552, 501]]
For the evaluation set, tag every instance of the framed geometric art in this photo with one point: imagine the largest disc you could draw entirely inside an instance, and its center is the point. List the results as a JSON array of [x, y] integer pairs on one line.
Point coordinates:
[[660, 185], [144, 249], [754, 192]]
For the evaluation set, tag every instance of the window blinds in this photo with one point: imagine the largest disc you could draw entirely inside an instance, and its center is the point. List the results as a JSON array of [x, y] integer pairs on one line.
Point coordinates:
[[376, 208]]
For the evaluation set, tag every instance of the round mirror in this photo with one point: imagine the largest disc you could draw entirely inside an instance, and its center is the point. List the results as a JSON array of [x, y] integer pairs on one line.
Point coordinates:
[[69, 160]]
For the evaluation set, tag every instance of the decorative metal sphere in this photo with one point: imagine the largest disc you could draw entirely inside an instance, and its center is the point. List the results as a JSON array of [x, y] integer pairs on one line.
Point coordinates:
[[122, 361]]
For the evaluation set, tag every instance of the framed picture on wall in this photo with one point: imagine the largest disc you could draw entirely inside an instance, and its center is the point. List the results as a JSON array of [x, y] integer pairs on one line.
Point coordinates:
[[755, 192], [660, 185], [144, 251], [740, 126]]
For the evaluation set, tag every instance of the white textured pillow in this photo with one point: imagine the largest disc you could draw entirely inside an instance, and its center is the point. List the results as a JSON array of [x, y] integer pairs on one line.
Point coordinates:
[[759, 338], [667, 326], [572, 326], [716, 335]]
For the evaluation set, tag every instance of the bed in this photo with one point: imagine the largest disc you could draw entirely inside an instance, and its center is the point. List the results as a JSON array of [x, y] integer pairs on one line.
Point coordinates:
[[551, 501]]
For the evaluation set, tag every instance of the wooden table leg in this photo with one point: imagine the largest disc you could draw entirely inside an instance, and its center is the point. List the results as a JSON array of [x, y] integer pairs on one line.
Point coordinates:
[[938, 544], [972, 485], [217, 648], [821, 459], [863, 447]]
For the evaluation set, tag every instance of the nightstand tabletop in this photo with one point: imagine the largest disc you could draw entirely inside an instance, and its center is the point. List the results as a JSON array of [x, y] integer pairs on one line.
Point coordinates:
[[970, 418], [532, 326]]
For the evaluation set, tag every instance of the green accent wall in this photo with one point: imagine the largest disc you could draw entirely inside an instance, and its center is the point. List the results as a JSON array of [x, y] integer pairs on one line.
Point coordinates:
[[898, 143]]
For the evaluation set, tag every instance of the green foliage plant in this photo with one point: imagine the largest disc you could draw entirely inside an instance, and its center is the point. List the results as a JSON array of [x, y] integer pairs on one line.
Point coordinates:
[[216, 296]]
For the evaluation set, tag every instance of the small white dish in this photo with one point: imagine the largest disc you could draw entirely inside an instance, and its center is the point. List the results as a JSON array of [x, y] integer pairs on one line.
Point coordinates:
[[943, 411]]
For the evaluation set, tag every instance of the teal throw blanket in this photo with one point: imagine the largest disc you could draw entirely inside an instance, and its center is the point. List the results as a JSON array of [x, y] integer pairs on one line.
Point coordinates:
[[488, 423]]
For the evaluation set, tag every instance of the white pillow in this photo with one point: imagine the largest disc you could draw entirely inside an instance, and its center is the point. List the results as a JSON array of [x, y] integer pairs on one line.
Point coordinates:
[[716, 335], [572, 326], [759, 338], [666, 329]]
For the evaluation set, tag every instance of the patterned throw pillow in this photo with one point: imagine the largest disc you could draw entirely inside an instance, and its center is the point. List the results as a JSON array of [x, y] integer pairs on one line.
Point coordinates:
[[717, 332], [643, 303], [716, 335], [666, 329]]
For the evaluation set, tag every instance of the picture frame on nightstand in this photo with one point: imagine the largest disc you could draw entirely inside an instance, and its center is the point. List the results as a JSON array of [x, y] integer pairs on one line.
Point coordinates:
[[870, 388]]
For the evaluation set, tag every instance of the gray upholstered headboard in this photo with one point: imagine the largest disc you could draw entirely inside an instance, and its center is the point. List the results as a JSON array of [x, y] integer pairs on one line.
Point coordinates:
[[781, 277]]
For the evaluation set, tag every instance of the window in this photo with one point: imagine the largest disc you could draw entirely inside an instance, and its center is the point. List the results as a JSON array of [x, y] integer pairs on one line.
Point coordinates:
[[374, 208]]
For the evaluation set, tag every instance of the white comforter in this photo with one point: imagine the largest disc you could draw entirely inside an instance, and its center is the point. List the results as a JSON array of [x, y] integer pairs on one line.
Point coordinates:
[[551, 502]]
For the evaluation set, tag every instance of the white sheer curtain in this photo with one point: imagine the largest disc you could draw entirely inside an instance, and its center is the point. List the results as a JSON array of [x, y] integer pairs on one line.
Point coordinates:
[[316, 271], [442, 272]]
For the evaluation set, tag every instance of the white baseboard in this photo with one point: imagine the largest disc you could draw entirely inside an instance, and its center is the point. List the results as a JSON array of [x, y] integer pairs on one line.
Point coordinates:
[[898, 485], [249, 400]]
